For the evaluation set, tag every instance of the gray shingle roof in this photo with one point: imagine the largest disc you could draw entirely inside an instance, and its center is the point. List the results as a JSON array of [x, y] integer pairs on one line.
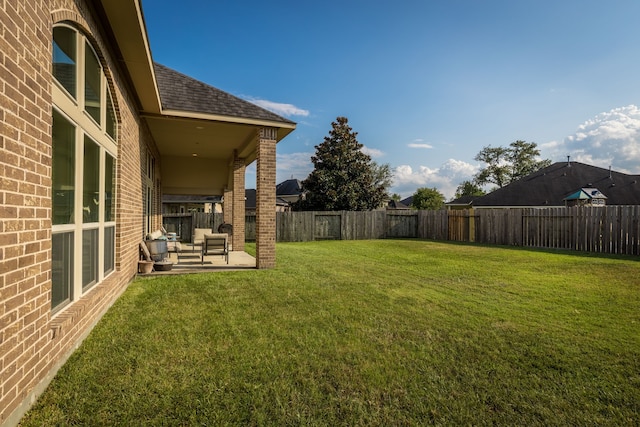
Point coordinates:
[[551, 185], [289, 187], [250, 199], [183, 93], [464, 200]]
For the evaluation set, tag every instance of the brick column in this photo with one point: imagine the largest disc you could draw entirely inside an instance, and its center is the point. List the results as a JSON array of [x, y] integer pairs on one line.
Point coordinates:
[[237, 240], [227, 206], [266, 199]]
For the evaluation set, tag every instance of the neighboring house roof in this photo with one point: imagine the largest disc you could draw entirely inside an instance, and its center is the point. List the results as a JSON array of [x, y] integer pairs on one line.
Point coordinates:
[[183, 93], [290, 187], [250, 199], [394, 204], [408, 201], [552, 185], [463, 201]]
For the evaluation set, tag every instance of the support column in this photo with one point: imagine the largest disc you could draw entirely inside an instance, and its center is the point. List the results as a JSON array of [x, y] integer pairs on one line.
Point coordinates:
[[266, 199], [227, 206], [238, 205]]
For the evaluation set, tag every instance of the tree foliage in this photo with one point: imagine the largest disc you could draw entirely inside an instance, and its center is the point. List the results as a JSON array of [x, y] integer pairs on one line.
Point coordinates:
[[344, 177], [505, 165], [427, 198], [468, 188]]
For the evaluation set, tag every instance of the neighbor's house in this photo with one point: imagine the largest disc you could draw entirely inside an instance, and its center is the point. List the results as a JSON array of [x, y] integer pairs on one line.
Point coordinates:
[[287, 192], [281, 205], [290, 190], [562, 184], [93, 133], [185, 204], [397, 205]]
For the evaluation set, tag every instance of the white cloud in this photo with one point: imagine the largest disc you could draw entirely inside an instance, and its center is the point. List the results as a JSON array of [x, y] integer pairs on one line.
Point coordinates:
[[373, 152], [419, 145], [280, 108], [610, 139], [293, 165], [445, 178]]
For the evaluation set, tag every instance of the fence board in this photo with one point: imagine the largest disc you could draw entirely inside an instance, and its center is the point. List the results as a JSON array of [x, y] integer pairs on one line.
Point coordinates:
[[402, 224]]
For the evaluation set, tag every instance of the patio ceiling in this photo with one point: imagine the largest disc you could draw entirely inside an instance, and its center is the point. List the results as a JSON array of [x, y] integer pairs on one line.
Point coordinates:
[[197, 153], [198, 129]]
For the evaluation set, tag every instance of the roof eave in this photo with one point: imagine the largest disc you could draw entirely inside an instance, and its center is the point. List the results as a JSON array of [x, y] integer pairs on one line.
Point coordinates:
[[126, 20], [287, 127]]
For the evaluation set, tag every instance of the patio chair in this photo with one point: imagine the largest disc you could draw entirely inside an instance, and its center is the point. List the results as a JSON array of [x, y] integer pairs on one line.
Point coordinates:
[[198, 237], [215, 244]]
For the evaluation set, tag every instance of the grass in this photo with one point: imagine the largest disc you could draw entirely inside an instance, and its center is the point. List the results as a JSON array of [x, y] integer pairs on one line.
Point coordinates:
[[385, 332]]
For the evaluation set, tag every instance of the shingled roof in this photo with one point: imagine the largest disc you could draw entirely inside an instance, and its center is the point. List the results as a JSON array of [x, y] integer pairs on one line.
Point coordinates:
[[290, 187], [551, 185], [250, 199], [183, 93]]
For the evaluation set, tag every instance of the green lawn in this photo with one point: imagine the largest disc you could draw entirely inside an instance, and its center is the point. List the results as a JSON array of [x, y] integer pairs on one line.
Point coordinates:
[[384, 332]]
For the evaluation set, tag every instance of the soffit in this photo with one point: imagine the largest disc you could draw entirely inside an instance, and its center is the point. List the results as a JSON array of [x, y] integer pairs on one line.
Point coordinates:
[[127, 26]]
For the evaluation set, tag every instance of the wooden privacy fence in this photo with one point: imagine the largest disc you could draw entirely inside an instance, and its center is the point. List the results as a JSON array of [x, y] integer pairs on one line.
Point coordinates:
[[609, 229]]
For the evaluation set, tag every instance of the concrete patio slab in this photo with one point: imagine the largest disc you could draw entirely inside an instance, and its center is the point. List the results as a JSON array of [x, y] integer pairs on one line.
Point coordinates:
[[191, 262]]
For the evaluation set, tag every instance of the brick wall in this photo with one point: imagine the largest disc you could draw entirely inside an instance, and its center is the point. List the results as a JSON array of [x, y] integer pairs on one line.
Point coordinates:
[[266, 199], [238, 207], [33, 344], [25, 164], [227, 207]]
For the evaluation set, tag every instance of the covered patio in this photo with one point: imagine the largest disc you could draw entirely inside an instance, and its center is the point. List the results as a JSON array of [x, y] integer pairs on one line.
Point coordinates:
[[204, 139]]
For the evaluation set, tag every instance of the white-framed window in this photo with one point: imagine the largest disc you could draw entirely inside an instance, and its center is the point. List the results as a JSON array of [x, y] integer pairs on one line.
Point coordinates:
[[84, 156]]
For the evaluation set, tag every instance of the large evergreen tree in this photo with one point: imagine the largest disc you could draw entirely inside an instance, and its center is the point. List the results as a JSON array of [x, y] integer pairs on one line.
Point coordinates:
[[344, 177]]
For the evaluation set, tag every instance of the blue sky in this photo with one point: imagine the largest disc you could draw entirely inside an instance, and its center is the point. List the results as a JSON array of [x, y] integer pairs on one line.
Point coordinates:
[[425, 83]]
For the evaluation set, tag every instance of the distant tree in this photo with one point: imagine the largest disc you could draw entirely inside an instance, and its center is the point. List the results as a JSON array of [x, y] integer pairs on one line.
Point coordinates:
[[382, 176], [344, 177], [396, 197], [427, 198], [507, 164], [524, 159], [468, 188]]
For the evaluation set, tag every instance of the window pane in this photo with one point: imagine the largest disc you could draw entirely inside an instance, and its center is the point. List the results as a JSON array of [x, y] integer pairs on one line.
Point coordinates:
[[64, 58], [92, 74], [61, 269], [109, 187], [63, 169], [111, 117], [89, 258], [109, 249], [91, 182]]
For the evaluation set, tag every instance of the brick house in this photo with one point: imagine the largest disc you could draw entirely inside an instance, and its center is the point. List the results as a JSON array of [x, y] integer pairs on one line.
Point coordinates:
[[93, 133]]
